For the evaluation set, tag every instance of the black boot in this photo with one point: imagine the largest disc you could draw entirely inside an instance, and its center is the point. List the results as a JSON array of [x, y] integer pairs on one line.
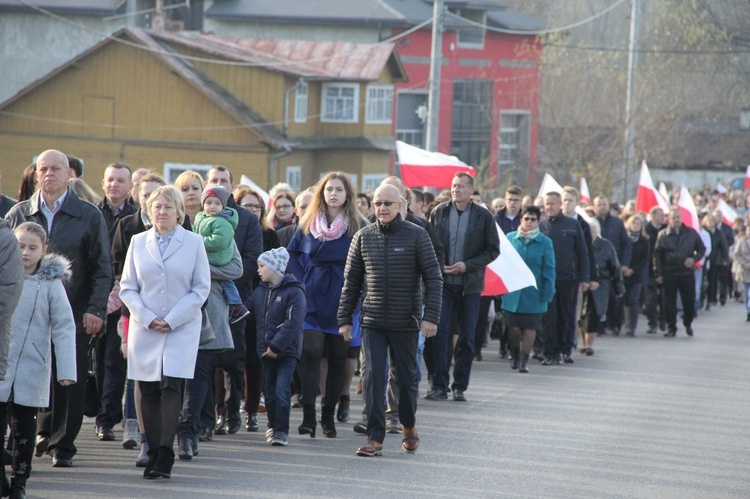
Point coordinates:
[[185, 448], [164, 462], [524, 363], [343, 413], [4, 485], [516, 353], [18, 487], [152, 455], [308, 421], [327, 423]]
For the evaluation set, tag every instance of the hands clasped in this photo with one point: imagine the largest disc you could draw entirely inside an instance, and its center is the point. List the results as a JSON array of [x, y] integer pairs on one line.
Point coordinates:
[[160, 325]]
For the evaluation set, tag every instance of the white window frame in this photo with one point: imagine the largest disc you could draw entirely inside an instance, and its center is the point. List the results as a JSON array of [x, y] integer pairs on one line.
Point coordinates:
[[372, 181], [300, 102], [472, 45], [501, 129], [169, 168], [324, 103], [373, 102], [294, 177]]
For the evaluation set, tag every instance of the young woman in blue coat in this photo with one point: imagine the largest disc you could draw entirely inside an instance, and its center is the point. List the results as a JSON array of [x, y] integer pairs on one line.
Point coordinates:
[[523, 309], [317, 255]]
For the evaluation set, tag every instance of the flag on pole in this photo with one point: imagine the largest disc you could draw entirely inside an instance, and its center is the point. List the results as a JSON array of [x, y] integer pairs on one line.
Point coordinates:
[[585, 196], [720, 188], [687, 208], [728, 214], [664, 193], [263, 194], [647, 196], [549, 184], [747, 177], [508, 272], [420, 168]]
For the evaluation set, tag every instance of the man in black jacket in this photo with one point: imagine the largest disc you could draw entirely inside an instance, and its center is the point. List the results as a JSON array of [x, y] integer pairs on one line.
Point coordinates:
[[249, 239], [654, 298], [470, 241], [78, 232], [677, 249], [572, 273], [386, 262]]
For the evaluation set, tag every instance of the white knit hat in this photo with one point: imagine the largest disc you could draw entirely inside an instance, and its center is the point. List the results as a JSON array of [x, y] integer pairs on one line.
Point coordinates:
[[276, 259]]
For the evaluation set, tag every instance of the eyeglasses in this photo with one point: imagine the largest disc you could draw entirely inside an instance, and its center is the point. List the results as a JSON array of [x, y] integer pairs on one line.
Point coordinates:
[[387, 204], [284, 207], [251, 206], [530, 219]]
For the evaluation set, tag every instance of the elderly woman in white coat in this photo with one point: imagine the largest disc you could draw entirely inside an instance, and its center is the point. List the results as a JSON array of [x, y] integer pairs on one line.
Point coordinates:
[[165, 280]]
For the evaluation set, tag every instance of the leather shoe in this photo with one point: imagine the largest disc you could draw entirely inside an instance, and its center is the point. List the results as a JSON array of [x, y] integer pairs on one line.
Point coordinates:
[[689, 330], [360, 427], [233, 426], [251, 422], [568, 359], [458, 395], [370, 449], [206, 434], [42, 442], [670, 334], [105, 434], [59, 461], [411, 440]]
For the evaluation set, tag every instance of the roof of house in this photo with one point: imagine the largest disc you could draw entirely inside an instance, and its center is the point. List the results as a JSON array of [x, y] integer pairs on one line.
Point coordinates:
[[306, 59], [375, 13], [68, 7]]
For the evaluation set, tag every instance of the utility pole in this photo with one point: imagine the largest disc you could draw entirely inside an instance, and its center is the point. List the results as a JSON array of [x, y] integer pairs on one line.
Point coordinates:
[[629, 157], [436, 59]]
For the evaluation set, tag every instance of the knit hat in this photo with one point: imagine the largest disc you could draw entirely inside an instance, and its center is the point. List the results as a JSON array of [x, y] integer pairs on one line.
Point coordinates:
[[215, 191], [276, 259]]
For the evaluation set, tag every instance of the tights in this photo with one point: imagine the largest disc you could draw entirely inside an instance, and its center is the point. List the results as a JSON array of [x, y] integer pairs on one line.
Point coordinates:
[[23, 426], [160, 404], [315, 345], [514, 337]]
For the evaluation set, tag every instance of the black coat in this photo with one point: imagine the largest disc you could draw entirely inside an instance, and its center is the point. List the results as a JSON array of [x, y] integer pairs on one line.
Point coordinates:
[[613, 230], [507, 225], [6, 204], [639, 261], [79, 233], [719, 249], [385, 267], [571, 250], [111, 219], [249, 239], [672, 249]]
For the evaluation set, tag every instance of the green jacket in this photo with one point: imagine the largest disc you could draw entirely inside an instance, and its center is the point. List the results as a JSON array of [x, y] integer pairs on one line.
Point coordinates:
[[217, 232]]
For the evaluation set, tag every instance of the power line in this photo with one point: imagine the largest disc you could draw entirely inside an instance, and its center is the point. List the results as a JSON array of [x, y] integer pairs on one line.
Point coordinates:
[[649, 51]]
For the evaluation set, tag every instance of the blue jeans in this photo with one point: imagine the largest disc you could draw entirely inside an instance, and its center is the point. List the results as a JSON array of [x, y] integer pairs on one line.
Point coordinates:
[[231, 295], [698, 287], [277, 387], [403, 355], [467, 308], [746, 285], [195, 395]]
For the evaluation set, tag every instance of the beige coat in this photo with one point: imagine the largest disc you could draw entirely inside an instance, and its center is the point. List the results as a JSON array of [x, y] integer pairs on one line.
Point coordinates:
[[741, 257], [172, 287]]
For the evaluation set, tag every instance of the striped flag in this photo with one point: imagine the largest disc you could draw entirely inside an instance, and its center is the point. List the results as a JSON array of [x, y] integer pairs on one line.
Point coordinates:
[[585, 195], [687, 208], [420, 168], [508, 272], [647, 196], [728, 214]]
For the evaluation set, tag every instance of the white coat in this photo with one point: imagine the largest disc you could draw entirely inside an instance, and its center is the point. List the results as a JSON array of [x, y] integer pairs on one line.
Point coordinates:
[[171, 287]]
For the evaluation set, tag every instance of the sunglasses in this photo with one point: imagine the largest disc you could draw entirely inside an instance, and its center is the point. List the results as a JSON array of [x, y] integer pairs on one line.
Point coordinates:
[[530, 219], [387, 204]]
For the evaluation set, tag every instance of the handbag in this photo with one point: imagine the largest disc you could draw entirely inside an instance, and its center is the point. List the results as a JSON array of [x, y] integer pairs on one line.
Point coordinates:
[[497, 326], [207, 332], [91, 407]]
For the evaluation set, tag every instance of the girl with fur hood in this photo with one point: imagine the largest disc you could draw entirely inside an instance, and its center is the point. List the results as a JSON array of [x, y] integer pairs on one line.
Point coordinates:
[[43, 316]]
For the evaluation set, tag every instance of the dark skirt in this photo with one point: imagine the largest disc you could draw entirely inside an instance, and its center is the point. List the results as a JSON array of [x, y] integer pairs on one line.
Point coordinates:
[[523, 321]]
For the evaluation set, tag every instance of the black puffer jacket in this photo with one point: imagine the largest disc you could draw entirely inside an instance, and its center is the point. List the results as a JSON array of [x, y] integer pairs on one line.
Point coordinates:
[[384, 267]]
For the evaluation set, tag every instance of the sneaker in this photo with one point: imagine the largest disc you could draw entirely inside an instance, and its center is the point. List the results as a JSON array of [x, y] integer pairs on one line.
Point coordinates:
[[130, 434], [458, 395], [568, 359], [269, 435], [280, 439], [237, 313], [262, 404], [393, 427], [436, 394]]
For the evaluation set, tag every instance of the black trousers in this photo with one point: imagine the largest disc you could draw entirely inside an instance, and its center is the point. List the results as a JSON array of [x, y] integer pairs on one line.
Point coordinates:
[[556, 322], [230, 376], [23, 428], [654, 308], [316, 344], [716, 277], [161, 402], [253, 369], [62, 420], [685, 285]]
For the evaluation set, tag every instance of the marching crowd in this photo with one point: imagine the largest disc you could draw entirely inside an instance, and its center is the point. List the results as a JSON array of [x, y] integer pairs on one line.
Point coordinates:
[[194, 302]]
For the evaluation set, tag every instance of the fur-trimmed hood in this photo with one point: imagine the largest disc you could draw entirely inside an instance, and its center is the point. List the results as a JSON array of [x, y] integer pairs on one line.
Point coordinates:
[[53, 267]]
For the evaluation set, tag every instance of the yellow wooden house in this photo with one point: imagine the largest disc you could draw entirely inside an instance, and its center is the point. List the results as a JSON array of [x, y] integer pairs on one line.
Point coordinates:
[[170, 101]]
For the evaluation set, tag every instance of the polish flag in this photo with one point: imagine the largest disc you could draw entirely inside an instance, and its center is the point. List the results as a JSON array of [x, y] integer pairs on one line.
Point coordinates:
[[720, 188], [747, 177], [508, 272], [549, 184], [687, 208], [585, 196], [420, 168], [647, 196], [263, 194], [664, 193], [728, 214]]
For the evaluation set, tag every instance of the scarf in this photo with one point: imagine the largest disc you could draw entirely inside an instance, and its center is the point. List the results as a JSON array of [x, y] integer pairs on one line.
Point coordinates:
[[320, 230], [634, 236], [528, 235]]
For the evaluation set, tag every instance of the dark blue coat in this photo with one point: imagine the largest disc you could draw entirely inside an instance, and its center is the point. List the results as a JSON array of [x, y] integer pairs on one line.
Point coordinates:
[[278, 312]]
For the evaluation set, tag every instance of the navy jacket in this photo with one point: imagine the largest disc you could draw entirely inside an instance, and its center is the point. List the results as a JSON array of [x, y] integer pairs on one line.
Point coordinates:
[[571, 252], [613, 230], [249, 239], [278, 312], [506, 224]]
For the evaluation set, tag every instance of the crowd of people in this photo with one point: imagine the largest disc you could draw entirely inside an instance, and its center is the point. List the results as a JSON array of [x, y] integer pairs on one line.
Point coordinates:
[[197, 301]]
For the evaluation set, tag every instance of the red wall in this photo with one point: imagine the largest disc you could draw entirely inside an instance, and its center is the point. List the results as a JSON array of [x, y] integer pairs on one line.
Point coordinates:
[[514, 88]]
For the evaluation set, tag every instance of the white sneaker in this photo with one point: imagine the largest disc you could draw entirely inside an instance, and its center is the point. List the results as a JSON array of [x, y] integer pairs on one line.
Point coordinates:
[[130, 434]]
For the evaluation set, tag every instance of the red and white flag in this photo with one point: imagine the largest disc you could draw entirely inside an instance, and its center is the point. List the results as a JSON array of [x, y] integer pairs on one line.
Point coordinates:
[[585, 195], [687, 208], [647, 196], [549, 184], [720, 188], [747, 177], [664, 193], [508, 272], [728, 214], [420, 168]]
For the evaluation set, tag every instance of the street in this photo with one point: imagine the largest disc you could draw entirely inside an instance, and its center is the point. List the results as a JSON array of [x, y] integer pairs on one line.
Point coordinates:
[[644, 417]]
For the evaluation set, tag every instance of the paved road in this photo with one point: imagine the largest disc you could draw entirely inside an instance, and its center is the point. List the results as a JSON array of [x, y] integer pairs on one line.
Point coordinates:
[[644, 417]]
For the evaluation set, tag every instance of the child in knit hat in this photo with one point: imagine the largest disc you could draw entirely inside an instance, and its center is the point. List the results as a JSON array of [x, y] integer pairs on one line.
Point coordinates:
[[279, 306], [216, 224]]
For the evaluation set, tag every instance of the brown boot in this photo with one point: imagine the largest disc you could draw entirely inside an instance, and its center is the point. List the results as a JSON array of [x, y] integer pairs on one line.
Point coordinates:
[[411, 440]]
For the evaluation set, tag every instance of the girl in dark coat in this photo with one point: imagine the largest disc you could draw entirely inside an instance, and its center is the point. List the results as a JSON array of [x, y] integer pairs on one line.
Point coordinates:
[[637, 274]]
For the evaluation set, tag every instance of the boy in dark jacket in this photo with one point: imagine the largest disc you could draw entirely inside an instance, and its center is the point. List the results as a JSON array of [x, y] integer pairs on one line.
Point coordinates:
[[279, 307]]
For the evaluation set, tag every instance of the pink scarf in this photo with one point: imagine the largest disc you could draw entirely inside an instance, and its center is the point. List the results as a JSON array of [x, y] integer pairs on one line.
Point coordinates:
[[320, 230]]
